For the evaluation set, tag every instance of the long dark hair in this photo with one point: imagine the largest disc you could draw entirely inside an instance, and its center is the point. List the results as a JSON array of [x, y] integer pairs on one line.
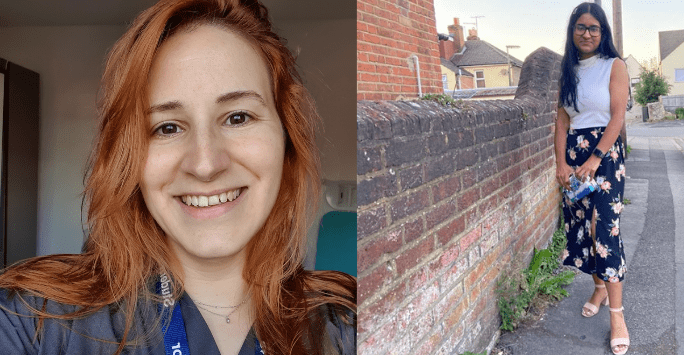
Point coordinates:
[[606, 49]]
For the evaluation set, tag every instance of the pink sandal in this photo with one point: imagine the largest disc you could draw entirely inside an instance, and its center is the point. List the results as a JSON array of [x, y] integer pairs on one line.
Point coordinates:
[[614, 343], [589, 310]]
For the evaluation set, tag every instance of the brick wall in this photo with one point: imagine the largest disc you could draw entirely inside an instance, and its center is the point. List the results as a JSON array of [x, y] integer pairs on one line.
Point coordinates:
[[447, 199], [389, 32]]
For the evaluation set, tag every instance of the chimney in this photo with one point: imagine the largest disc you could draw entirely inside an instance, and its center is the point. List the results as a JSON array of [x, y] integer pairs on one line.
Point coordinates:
[[472, 35], [448, 48], [456, 32]]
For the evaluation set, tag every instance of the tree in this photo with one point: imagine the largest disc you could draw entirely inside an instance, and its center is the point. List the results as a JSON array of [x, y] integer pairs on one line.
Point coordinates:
[[650, 64], [650, 87]]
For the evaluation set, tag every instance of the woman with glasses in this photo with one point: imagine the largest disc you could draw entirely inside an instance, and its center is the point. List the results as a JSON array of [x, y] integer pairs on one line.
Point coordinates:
[[594, 89], [199, 191]]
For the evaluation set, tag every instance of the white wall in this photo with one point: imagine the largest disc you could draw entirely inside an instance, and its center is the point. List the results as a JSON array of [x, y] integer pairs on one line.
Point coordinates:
[[70, 62], [327, 57]]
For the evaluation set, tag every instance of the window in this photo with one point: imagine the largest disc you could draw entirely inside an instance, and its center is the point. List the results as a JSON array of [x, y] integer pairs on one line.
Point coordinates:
[[445, 83], [479, 78], [635, 81], [679, 75]]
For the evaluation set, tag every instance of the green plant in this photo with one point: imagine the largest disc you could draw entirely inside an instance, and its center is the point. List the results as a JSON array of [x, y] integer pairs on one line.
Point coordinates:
[[541, 279], [629, 149], [626, 201], [679, 111], [443, 99], [650, 87]]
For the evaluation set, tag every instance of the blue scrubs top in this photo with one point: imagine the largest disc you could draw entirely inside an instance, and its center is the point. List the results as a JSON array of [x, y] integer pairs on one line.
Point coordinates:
[[85, 335]]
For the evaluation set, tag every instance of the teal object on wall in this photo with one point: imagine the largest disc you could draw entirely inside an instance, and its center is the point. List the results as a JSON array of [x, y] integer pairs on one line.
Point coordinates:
[[336, 246]]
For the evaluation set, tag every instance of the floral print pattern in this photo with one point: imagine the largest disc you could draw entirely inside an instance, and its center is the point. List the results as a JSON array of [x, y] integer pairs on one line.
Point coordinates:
[[602, 254]]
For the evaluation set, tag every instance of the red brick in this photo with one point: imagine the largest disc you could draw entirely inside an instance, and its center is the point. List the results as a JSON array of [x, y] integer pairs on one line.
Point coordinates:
[[468, 198], [454, 273], [449, 255], [452, 229], [411, 257], [371, 252], [374, 315], [487, 205], [451, 297], [370, 221], [439, 215], [423, 276], [454, 316], [382, 339], [423, 302], [446, 188], [371, 283], [481, 268], [430, 345], [408, 205], [470, 238], [413, 230]]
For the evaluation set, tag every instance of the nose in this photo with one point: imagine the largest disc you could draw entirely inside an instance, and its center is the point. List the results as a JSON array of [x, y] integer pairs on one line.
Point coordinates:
[[206, 156], [586, 34]]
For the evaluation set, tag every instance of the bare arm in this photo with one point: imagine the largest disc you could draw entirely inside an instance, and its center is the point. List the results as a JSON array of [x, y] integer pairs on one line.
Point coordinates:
[[563, 170], [619, 92]]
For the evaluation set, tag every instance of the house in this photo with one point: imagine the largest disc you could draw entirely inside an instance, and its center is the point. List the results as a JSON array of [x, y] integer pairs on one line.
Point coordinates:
[[455, 78], [634, 69], [490, 65], [672, 59]]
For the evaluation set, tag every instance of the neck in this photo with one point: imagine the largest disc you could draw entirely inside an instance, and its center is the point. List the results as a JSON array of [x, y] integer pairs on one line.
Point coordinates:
[[585, 56], [217, 282]]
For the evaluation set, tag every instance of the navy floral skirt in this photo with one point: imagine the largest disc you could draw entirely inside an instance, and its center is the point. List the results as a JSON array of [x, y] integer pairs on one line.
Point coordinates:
[[605, 257]]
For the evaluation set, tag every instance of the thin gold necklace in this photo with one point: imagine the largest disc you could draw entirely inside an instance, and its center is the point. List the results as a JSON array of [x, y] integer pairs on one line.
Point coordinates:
[[212, 306], [227, 316]]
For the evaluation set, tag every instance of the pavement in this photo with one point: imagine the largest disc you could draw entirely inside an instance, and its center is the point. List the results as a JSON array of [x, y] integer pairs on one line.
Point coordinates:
[[652, 229]]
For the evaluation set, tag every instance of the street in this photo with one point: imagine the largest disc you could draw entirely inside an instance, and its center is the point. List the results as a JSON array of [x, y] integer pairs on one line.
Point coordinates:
[[652, 229]]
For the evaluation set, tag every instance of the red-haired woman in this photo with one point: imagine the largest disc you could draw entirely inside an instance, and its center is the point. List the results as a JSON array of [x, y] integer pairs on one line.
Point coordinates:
[[198, 191]]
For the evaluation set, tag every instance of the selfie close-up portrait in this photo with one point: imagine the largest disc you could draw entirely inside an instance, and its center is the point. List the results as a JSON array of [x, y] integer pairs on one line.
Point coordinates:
[[178, 177]]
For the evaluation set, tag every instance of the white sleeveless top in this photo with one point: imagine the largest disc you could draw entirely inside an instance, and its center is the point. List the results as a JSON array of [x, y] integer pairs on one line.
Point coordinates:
[[593, 95]]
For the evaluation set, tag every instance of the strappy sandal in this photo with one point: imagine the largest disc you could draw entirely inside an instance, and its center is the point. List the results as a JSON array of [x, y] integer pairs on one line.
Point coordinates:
[[614, 343], [589, 310]]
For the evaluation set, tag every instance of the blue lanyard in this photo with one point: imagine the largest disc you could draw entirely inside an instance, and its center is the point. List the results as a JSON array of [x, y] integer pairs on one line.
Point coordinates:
[[175, 338]]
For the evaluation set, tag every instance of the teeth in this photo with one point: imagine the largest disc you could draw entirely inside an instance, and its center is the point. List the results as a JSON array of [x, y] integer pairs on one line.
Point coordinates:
[[205, 201]]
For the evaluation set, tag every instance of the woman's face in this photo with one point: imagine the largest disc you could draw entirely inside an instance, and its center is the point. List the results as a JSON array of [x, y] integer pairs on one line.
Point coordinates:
[[585, 41], [217, 147]]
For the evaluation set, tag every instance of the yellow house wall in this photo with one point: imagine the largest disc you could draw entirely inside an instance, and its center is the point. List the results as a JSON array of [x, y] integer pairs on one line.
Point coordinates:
[[674, 61], [496, 75], [451, 77]]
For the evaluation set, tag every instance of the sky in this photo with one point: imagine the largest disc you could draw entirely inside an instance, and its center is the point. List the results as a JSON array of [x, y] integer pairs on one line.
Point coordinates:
[[531, 24]]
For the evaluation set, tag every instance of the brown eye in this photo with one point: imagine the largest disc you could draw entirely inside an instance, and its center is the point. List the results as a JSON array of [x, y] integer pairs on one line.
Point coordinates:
[[167, 129], [238, 119]]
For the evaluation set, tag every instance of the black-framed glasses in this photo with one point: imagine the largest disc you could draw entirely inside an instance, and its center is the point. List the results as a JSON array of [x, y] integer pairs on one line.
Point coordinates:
[[580, 29]]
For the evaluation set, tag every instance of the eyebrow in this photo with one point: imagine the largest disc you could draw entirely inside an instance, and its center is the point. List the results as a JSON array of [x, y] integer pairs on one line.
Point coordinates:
[[227, 97]]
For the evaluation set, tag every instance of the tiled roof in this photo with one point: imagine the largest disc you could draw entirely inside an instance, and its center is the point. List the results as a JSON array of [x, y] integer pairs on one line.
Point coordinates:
[[669, 41], [479, 52], [454, 68]]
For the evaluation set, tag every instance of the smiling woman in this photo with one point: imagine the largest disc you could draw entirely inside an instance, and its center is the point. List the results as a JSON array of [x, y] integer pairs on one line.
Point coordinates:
[[592, 99], [199, 190]]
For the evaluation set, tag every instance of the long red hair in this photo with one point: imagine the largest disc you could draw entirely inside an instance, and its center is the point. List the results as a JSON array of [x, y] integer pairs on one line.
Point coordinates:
[[125, 248]]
